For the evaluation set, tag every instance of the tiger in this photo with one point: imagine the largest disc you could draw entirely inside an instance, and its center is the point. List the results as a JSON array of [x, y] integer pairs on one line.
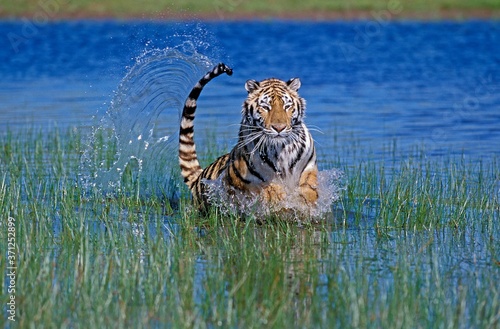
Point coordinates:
[[275, 152]]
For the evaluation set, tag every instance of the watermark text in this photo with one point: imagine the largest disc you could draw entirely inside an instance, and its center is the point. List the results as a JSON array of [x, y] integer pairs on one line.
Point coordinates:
[[371, 29], [11, 268], [30, 27]]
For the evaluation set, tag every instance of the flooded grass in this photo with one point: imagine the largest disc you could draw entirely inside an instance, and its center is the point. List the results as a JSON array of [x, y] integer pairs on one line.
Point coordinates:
[[408, 245]]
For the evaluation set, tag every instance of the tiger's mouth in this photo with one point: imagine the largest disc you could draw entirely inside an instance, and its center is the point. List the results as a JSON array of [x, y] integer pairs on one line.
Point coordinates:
[[283, 134], [278, 130]]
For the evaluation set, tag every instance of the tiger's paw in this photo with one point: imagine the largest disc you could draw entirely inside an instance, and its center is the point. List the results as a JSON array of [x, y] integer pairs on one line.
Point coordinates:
[[308, 186], [273, 193], [309, 195]]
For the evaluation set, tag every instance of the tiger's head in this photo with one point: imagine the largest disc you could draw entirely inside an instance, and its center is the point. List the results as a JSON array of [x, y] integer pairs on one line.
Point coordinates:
[[273, 107]]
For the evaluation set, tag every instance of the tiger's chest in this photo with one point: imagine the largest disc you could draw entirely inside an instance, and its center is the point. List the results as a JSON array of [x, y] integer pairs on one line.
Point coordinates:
[[281, 163]]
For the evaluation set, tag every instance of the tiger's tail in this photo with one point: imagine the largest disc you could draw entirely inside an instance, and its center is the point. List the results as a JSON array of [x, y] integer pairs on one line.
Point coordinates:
[[188, 160]]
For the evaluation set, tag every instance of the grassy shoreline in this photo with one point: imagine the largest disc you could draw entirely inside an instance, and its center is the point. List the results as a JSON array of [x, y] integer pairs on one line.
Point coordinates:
[[256, 9]]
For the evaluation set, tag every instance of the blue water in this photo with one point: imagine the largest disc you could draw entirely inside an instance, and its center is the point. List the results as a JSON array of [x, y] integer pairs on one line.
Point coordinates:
[[435, 85]]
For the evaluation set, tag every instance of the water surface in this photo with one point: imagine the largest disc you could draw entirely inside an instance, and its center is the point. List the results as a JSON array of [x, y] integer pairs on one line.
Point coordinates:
[[372, 94], [432, 84]]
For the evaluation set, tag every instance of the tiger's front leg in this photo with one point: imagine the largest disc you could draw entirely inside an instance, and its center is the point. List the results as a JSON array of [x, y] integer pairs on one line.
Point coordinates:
[[308, 186], [273, 193]]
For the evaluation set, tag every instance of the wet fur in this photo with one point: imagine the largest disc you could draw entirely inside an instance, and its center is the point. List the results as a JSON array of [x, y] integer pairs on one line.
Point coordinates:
[[275, 152]]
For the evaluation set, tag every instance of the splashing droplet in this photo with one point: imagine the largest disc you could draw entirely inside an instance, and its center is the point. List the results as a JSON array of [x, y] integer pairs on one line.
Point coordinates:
[[231, 201], [140, 121]]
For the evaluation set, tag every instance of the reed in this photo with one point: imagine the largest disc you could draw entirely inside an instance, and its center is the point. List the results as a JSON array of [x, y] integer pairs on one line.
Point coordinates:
[[411, 245]]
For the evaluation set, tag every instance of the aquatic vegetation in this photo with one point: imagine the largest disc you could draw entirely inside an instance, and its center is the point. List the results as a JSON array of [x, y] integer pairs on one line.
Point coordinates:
[[105, 233], [413, 245]]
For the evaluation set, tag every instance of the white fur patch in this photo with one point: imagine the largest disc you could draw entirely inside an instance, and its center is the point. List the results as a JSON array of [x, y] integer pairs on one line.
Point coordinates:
[[190, 102]]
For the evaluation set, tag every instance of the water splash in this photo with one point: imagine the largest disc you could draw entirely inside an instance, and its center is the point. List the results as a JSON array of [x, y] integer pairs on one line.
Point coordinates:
[[231, 201], [131, 148]]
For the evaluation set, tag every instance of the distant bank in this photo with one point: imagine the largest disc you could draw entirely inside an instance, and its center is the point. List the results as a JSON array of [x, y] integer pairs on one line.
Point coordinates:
[[44, 10]]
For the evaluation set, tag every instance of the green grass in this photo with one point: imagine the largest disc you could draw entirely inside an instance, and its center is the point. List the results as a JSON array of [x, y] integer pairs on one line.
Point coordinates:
[[232, 8], [409, 247]]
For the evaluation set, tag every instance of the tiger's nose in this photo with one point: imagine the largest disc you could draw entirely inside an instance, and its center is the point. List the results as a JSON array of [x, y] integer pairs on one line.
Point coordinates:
[[278, 127]]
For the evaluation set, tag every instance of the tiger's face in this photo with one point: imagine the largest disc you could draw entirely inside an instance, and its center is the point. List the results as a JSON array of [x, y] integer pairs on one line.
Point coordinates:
[[273, 107]]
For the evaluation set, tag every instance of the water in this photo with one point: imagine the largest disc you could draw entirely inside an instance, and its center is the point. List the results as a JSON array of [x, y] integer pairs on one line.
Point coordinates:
[[331, 183], [387, 89], [400, 86], [403, 85], [157, 84], [431, 84]]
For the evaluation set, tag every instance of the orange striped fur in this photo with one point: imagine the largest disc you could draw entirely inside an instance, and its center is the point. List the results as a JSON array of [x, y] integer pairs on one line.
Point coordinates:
[[275, 151]]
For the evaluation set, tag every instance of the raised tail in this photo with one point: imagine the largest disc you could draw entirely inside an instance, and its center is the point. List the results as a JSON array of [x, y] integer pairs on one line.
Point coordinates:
[[188, 160]]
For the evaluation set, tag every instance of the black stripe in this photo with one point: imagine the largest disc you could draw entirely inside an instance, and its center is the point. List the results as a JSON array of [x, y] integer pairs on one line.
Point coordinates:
[[209, 171], [229, 178], [189, 143], [266, 159], [238, 174], [252, 170], [216, 167], [221, 169], [188, 178], [195, 92], [298, 157], [312, 155], [245, 147], [187, 156], [186, 131], [223, 164], [198, 189], [188, 169], [188, 112]]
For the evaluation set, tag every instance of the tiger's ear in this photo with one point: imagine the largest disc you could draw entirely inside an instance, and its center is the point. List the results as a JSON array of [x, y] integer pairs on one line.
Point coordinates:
[[251, 85], [294, 84]]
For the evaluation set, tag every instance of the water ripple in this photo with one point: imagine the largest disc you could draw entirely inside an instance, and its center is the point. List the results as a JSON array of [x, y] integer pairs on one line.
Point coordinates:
[[153, 91]]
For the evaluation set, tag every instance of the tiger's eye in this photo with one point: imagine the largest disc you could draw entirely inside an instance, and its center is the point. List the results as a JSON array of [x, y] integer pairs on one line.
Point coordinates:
[[265, 106]]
